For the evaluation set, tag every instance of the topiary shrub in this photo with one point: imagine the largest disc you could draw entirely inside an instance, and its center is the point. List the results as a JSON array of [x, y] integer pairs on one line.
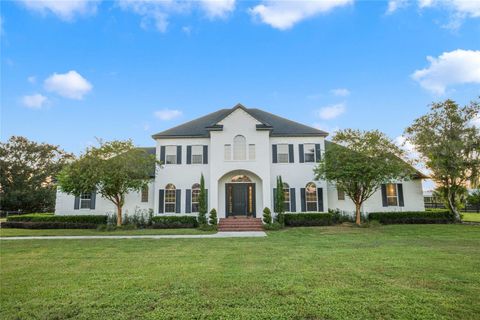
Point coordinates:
[[273, 226], [413, 217], [307, 219], [267, 216], [213, 217]]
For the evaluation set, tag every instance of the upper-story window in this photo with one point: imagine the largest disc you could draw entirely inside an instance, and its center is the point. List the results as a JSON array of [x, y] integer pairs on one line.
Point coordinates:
[[282, 153], [197, 154], [309, 152], [171, 154], [85, 200], [239, 148], [228, 152], [251, 151], [392, 194], [340, 194]]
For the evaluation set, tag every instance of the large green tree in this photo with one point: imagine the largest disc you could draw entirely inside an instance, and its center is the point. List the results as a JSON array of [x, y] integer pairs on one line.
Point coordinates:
[[359, 162], [112, 169], [27, 169], [449, 145]]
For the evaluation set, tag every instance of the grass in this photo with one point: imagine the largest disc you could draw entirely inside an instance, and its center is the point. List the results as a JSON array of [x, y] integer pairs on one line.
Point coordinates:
[[7, 232], [471, 217], [386, 272]]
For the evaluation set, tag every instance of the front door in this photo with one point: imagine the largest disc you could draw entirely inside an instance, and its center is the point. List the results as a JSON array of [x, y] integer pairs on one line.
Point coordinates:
[[240, 199]]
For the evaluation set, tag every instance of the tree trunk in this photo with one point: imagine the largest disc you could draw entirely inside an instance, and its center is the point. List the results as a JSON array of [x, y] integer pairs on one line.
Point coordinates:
[[452, 207], [119, 215], [357, 214]]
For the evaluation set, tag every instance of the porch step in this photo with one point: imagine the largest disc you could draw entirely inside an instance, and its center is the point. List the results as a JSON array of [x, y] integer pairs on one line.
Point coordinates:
[[240, 224]]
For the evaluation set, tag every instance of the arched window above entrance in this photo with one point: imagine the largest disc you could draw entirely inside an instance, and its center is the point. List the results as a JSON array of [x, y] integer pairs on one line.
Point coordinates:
[[241, 178], [239, 148]]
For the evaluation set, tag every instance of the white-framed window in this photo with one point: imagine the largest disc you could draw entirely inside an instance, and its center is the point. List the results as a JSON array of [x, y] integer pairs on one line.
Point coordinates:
[[251, 151], [170, 198], [286, 196], [145, 194], [239, 148], [309, 152], [197, 154], [195, 197], [282, 153], [311, 197], [392, 194], [171, 154], [340, 194], [228, 152], [85, 200]]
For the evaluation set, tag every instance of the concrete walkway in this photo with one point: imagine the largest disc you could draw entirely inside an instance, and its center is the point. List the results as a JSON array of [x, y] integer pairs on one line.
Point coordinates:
[[241, 234]]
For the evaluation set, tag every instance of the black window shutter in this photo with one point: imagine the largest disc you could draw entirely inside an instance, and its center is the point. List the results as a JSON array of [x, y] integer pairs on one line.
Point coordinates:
[[400, 195], [162, 154], [205, 154], [274, 199], [179, 154], [317, 152], [384, 195], [290, 153], [293, 200], [189, 154], [178, 200], [300, 153], [92, 200], [206, 199], [188, 201], [161, 199], [320, 199], [76, 203], [274, 153], [302, 199]]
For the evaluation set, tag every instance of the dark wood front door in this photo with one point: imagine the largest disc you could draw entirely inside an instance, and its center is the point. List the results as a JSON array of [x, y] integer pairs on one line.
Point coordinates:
[[240, 199]]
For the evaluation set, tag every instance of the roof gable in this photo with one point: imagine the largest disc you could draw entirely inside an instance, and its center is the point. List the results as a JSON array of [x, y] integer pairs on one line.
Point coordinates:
[[277, 126]]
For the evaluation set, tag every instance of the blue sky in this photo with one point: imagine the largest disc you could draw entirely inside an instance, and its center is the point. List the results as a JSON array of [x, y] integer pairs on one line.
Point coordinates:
[[76, 70]]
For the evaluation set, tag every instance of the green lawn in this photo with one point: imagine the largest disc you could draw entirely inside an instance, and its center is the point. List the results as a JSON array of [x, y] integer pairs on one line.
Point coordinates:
[[387, 272], [472, 217], [7, 232]]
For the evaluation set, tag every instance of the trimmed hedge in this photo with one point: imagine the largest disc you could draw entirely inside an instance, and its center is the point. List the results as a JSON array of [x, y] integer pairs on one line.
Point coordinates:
[[86, 219], [307, 219], [47, 225], [413, 217], [172, 222]]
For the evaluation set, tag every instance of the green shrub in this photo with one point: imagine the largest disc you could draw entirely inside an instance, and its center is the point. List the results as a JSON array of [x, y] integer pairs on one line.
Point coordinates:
[[307, 219], [413, 217], [280, 218], [339, 216], [267, 216], [208, 227], [36, 217], [213, 217], [47, 225], [273, 226], [171, 222]]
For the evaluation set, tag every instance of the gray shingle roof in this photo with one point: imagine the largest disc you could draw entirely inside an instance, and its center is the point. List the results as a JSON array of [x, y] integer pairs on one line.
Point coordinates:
[[279, 126]]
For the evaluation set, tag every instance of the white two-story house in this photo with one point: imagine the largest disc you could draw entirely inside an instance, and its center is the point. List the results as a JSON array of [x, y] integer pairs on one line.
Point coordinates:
[[240, 152]]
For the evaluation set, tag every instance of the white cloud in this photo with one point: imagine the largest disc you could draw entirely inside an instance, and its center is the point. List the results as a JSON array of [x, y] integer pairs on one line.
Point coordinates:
[[69, 85], [340, 92], [450, 68], [167, 114], [157, 13], [331, 112], [394, 5], [64, 9], [285, 14], [467, 8], [34, 101], [217, 8], [476, 121], [32, 79]]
